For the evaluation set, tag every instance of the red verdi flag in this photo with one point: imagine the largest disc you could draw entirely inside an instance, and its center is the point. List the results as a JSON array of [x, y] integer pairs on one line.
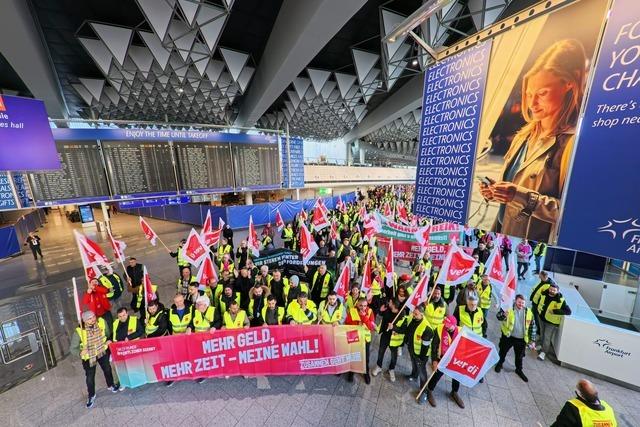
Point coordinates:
[[389, 265], [279, 221], [149, 295], [211, 237], [149, 234], [494, 267], [458, 266], [403, 216], [308, 246], [320, 204], [340, 205], [252, 239], [118, 247], [303, 215], [365, 285], [194, 250], [333, 233], [387, 210], [420, 293], [468, 358], [320, 220], [91, 254], [206, 272], [343, 282], [508, 291]]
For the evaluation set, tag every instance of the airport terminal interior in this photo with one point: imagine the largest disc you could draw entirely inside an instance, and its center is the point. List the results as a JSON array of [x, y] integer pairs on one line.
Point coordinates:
[[319, 212]]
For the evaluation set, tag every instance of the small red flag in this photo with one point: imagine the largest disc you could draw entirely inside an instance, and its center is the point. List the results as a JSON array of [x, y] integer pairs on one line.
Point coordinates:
[[149, 234]]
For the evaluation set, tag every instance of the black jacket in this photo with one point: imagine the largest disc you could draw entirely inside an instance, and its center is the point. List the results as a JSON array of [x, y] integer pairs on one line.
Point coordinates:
[[569, 416], [162, 322], [243, 285], [241, 256], [563, 310], [135, 274], [35, 241], [122, 331]]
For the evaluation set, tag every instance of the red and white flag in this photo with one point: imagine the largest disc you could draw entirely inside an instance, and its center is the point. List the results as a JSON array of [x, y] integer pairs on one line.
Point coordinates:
[[149, 295], [468, 358], [118, 247], [371, 226], [195, 249], [252, 239], [343, 283], [508, 291], [494, 267], [389, 265], [279, 221], [210, 236], [340, 205], [362, 213], [91, 255], [308, 246], [320, 204], [457, 267], [333, 233], [149, 234], [387, 210], [319, 220], [420, 293], [365, 284], [422, 235], [303, 215], [206, 272], [401, 210]]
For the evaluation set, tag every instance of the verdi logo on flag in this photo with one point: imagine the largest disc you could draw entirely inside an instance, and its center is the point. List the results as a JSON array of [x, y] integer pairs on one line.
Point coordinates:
[[468, 358], [194, 250]]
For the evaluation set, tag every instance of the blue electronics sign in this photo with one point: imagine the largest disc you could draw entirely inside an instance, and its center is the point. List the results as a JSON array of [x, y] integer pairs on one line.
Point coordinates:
[[7, 198], [451, 111], [602, 208], [293, 158]]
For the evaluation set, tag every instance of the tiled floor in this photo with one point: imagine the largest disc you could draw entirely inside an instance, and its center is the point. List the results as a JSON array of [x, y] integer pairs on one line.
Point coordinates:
[[57, 397]]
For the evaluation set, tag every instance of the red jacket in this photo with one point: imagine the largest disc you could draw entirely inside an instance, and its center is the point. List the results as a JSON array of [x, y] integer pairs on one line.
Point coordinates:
[[96, 301], [368, 320]]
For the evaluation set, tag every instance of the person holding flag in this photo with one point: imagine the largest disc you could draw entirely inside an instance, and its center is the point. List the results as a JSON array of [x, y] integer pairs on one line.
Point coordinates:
[[517, 332], [113, 283], [391, 337], [252, 239], [361, 315], [95, 300], [180, 259]]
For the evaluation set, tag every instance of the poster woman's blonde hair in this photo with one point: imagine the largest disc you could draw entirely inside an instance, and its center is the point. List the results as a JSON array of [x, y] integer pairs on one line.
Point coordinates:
[[565, 59]]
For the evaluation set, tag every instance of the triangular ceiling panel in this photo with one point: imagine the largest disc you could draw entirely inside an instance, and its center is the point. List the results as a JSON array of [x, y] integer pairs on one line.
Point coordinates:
[[83, 92], [390, 21], [189, 8], [214, 69], [94, 86], [182, 36], [318, 78], [235, 61], [301, 84], [211, 21], [345, 81], [364, 62], [116, 39], [158, 13], [245, 77], [98, 52], [141, 57], [157, 49]]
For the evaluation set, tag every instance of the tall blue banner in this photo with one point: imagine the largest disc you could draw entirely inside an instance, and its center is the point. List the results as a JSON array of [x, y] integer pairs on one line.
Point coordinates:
[[602, 208], [451, 110]]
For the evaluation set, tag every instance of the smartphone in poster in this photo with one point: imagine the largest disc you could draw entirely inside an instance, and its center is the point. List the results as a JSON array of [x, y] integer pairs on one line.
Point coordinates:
[[602, 209], [536, 83]]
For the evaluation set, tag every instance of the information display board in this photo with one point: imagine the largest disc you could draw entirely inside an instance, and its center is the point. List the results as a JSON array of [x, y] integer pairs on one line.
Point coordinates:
[[204, 167], [257, 166], [293, 158], [138, 168], [81, 178]]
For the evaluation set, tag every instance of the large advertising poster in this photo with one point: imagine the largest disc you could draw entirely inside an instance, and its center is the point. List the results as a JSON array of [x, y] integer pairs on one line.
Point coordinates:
[[272, 350], [599, 218], [451, 107], [535, 87]]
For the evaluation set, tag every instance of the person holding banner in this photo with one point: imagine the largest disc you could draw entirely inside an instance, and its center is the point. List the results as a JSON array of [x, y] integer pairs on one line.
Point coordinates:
[[536, 165], [331, 310], [205, 318], [442, 339], [517, 331], [235, 317], [302, 311], [361, 315], [90, 342], [180, 315], [272, 313]]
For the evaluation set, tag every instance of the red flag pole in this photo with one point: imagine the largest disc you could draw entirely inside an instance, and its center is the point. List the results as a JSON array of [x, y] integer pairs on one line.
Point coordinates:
[[426, 383]]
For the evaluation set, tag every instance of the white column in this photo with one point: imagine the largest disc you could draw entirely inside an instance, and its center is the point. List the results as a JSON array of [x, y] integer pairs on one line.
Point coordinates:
[[248, 198], [297, 194], [105, 215]]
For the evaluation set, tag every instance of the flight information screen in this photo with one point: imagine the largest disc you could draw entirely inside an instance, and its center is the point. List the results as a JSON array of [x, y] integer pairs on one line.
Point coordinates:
[[204, 167], [80, 179], [256, 166], [139, 168]]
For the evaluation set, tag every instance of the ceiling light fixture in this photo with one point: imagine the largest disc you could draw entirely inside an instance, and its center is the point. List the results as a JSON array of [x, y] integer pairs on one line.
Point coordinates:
[[414, 62]]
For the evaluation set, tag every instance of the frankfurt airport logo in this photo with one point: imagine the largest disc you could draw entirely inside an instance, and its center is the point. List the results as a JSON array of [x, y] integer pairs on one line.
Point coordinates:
[[609, 349], [627, 230]]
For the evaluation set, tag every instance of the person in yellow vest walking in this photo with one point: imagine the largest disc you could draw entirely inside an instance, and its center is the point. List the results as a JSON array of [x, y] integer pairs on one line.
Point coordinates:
[[517, 332], [391, 337], [361, 315], [331, 310], [586, 409], [181, 260], [235, 318], [126, 327], [484, 289], [442, 339], [536, 293], [551, 308], [90, 342], [180, 315], [539, 252], [204, 318], [470, 315]]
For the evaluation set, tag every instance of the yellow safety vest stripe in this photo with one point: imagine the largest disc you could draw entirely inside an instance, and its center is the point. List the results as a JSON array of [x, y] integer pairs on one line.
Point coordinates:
[[238, 323], [82, 333], [591, 417], [202, 322], [465, 320]]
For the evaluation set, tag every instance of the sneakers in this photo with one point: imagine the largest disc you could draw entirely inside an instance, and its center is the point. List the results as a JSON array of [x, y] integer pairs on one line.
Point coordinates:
[[498, 368], [169, 383], [541, 355], [392, 375], [376, 371], [456, 398], [115, 388], [121, 387], [90, 402], [422, 399], [367, 378], [522, 376], [431, 399]]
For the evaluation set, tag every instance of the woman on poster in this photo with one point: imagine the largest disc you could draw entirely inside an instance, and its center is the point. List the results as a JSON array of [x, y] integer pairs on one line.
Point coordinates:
[[537, 162]]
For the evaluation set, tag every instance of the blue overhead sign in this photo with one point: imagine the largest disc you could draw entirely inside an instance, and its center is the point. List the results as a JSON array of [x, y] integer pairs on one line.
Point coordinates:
[[66, 134], [451, 110]]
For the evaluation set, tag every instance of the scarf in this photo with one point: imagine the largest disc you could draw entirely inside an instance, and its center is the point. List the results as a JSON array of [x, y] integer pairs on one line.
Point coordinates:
[[95, 347], [446, 340]]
